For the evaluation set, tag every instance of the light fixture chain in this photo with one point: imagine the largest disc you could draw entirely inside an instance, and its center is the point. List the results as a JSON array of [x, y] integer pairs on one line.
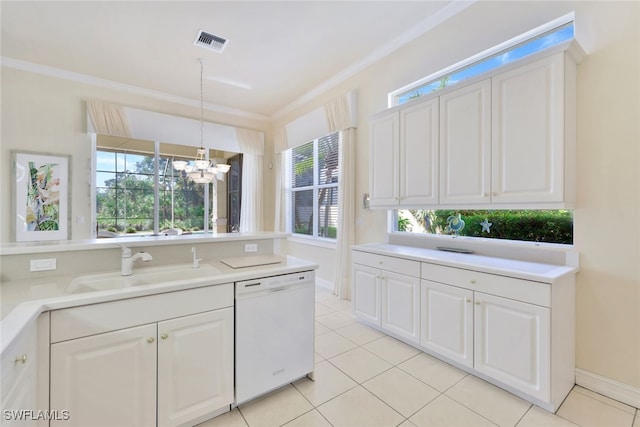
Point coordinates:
[[201, 105]]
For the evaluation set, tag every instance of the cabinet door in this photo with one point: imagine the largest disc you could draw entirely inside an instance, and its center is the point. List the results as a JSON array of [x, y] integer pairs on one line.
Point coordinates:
[[447, 321], [419, 154], [366, 293], [383, 165], [195, 366], [528, 133], [107, 379], [465, 144], [400, 305], [512, 343]]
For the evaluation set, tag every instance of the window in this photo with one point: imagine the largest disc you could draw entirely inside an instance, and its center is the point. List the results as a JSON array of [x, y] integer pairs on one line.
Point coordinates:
[[313, 169], [548, 226], [126, 190], [494, 58]]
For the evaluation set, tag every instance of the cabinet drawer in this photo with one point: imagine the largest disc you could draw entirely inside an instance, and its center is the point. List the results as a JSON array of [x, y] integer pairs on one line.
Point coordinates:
[[94, 319], [13, 369], [508, 287], [398, 265]]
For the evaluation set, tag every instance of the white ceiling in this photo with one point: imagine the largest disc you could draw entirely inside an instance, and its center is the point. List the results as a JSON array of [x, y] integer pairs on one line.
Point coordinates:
[[285, 51]]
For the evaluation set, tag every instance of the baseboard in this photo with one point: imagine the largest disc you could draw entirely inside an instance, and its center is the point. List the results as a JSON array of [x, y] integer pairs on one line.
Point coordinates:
[[611, 388], [324, 283]]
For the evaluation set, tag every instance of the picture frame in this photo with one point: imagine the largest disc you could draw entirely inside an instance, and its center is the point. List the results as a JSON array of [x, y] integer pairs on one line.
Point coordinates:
[[40, 193]]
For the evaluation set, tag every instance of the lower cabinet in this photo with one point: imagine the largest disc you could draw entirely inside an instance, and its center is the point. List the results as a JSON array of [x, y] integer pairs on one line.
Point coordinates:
[[386, 293], [171, 372], [498, 327]]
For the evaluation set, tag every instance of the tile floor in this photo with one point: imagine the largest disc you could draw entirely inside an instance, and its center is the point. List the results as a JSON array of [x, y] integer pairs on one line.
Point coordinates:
[[366, 379]]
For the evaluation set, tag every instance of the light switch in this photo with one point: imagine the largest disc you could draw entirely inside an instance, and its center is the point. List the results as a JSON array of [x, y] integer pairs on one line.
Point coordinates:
[[44, 264]]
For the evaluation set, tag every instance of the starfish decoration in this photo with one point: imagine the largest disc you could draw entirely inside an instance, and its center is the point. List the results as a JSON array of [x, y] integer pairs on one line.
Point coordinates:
[[486, 225]]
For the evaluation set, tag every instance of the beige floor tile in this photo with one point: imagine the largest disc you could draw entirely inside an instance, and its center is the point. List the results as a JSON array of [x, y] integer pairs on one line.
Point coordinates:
[[493, 403], [401, 391], [605, 399], [329, 382], [322, 308], [360, 364], [331, 344], [432, 371], [336, 320], [276, 408], [321, 329], [358, 407], [636, 422], [359, 333], [588, 412], [323, 294], [228, 419], [338, 304], [407, 423], [537, 417], [317, 358], [446, 412], [391, 350], [310, 419]]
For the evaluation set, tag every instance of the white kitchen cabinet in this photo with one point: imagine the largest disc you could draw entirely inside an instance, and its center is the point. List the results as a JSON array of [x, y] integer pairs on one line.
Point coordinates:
[[107, 379], [383, 160], [465, 145], [512, 343], [404, 156], [528, 133], [506, 139], [387, 294], [155, 360], [447, 321], [25, 376], [366, 293], [195, 366]]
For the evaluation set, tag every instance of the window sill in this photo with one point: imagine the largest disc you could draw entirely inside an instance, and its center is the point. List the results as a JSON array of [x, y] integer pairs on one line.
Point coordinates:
[[313, 241]]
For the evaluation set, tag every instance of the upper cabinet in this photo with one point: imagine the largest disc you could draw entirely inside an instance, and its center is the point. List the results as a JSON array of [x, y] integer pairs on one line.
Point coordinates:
[[404, 156], [465, 144], [503, 141]]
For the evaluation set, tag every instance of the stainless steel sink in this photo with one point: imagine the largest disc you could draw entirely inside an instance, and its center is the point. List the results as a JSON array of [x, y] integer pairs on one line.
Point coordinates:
[[144, 276]]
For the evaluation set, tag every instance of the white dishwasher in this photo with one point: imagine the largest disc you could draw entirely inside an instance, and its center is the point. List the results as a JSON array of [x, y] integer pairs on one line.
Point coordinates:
[[274, 332]]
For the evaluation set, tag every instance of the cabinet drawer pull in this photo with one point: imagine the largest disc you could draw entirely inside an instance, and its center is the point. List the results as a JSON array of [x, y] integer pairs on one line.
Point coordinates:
[[150, 340], [467, 300], [21, 359], [164, 336], [477, 302], [472, 281]]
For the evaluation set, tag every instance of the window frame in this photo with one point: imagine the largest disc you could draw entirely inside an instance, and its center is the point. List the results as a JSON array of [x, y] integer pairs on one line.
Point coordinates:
[[393, 97], [289, 190]]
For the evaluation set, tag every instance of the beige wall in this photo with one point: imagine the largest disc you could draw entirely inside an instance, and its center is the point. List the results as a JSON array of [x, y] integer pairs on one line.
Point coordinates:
[[607, 217], [47, 114], [41, 113]]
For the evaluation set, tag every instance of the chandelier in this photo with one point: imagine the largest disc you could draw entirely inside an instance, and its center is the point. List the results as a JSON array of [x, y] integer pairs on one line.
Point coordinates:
[[201, 171]]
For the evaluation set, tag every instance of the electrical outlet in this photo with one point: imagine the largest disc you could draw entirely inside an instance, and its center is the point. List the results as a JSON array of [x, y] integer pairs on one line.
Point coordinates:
[[251, 247], [43, 264]]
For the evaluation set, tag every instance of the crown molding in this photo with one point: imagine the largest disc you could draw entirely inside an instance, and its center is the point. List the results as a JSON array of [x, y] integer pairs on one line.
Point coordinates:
[[121, 87]]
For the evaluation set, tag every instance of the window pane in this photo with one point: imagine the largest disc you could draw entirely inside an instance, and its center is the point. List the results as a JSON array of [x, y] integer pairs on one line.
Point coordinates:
[[549, 226], [328, 212], [302, 166], [302, 208], [328, 153]]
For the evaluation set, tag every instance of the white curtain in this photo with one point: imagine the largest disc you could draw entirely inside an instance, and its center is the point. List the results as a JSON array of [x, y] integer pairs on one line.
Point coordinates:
[[109, 119], [279, 165], [252, 147], [339, 119], [346, 214]]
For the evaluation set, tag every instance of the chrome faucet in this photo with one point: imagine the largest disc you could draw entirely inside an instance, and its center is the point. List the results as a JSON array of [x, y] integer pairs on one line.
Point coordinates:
[[128, 260]]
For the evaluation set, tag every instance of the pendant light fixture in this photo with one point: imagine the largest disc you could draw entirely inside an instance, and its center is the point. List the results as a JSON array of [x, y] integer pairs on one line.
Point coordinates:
[[202, 171]]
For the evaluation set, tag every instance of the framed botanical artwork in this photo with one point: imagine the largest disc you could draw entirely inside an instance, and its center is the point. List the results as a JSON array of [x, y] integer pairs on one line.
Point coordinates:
[[40, 190]]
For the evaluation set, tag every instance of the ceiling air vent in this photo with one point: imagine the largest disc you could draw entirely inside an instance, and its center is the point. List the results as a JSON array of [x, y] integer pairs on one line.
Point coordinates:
[[210, 41]]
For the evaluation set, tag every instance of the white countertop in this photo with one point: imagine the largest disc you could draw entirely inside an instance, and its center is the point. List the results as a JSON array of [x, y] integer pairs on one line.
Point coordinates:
[[23, 300], [539, 272]]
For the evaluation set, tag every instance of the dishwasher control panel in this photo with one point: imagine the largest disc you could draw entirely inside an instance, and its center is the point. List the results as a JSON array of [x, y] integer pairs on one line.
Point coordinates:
[[274, 282]]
